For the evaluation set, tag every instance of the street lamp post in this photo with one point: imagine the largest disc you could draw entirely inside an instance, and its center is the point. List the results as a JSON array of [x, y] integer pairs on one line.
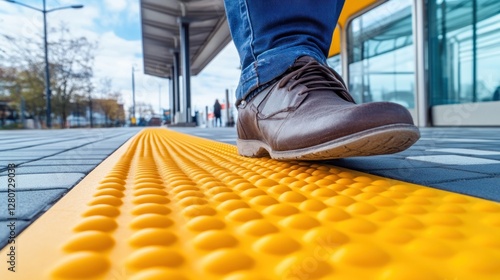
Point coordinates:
[[45, 45], [132, 118], [159, 99]]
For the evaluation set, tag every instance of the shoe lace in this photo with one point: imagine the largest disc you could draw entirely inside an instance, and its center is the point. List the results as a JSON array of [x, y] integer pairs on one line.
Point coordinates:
[[316, 76]]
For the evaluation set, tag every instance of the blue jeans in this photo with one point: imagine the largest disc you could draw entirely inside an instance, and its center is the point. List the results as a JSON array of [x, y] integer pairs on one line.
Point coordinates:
[[271, 34]]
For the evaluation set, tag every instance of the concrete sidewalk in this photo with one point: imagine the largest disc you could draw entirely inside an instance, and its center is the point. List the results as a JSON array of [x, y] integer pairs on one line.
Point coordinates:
[[48, 164]]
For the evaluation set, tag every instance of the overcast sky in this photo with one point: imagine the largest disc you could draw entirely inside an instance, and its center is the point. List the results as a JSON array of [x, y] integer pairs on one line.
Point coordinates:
[[115, 24]]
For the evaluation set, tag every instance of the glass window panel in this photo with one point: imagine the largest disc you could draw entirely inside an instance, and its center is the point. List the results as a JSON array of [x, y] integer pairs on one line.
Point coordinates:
[[488, 51], [335, 62], [464, 50], [381, 54]]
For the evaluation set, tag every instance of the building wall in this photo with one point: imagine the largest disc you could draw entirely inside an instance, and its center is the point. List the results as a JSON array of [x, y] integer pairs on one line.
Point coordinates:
[[375, 49]]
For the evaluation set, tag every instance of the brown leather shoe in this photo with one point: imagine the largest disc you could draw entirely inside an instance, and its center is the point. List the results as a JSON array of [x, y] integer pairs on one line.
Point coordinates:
[[309, 115]]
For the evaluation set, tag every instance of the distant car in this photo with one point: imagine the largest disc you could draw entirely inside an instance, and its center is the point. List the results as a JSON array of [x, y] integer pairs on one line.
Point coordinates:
[[154, 121]]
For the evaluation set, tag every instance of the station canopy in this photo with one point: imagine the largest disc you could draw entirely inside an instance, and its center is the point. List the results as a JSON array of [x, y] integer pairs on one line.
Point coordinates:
[[208, 33]]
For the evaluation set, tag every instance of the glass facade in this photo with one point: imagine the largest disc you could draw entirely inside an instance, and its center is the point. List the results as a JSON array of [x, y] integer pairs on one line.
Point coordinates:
[[381, 54], [464, 51], [335, 62]]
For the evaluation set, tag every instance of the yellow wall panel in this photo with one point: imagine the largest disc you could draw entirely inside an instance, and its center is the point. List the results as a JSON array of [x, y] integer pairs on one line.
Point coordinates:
[[336, 39], [351, 8]]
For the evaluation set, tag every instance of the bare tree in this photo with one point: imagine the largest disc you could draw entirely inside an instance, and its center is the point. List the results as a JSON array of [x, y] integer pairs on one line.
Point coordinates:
[[23, 72], [110, 102], [71, 68]]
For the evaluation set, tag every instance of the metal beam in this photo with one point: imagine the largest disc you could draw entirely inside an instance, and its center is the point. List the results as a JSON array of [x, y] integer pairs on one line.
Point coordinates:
[[186, 66]]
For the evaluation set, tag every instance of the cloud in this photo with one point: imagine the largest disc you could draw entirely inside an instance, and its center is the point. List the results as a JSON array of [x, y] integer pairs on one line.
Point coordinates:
[[116, 5], [133, 10]]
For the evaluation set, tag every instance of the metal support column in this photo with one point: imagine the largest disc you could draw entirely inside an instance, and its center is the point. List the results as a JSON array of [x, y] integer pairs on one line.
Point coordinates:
[[228, 118], [133, 97], [91, 113], [176, 99], [186, 66], [206, 116], [159, 100], [47, 70], [422, 90], [171, 91], [474, 51]]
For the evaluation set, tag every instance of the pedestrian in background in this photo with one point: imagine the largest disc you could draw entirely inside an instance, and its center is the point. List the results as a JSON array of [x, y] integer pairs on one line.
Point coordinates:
[[217, 113]]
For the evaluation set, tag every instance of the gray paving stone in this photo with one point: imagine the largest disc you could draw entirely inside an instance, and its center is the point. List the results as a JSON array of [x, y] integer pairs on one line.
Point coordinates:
[[494, 148], [43, 181], [5, 232], [45, 169], [380, 163], [47, 161], [490, 169], [459, 139], [76, 157], [454, 160], [112, 147], [24, 143], [89, 151], [22, 153], [12, 147], [20, 158], [115, 140], [97, 147], [7, 138], [472, 152], [428, 175], [461, 145], [30, 203], [65, 145], [487, 188], [493, 157], [39, 148], [4, 163]]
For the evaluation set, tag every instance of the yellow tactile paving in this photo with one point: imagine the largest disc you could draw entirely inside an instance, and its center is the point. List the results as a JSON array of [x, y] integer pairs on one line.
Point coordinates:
[[172, 206]]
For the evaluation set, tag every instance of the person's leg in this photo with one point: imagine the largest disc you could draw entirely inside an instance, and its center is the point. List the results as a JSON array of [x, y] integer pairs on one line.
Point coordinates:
[[270, 35], [291, 105]]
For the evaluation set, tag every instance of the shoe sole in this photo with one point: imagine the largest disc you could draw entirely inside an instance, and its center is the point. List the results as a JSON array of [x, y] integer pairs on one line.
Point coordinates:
[[377, 141]]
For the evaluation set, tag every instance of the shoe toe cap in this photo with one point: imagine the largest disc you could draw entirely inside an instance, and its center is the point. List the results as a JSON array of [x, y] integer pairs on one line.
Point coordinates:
[[327, 123]]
